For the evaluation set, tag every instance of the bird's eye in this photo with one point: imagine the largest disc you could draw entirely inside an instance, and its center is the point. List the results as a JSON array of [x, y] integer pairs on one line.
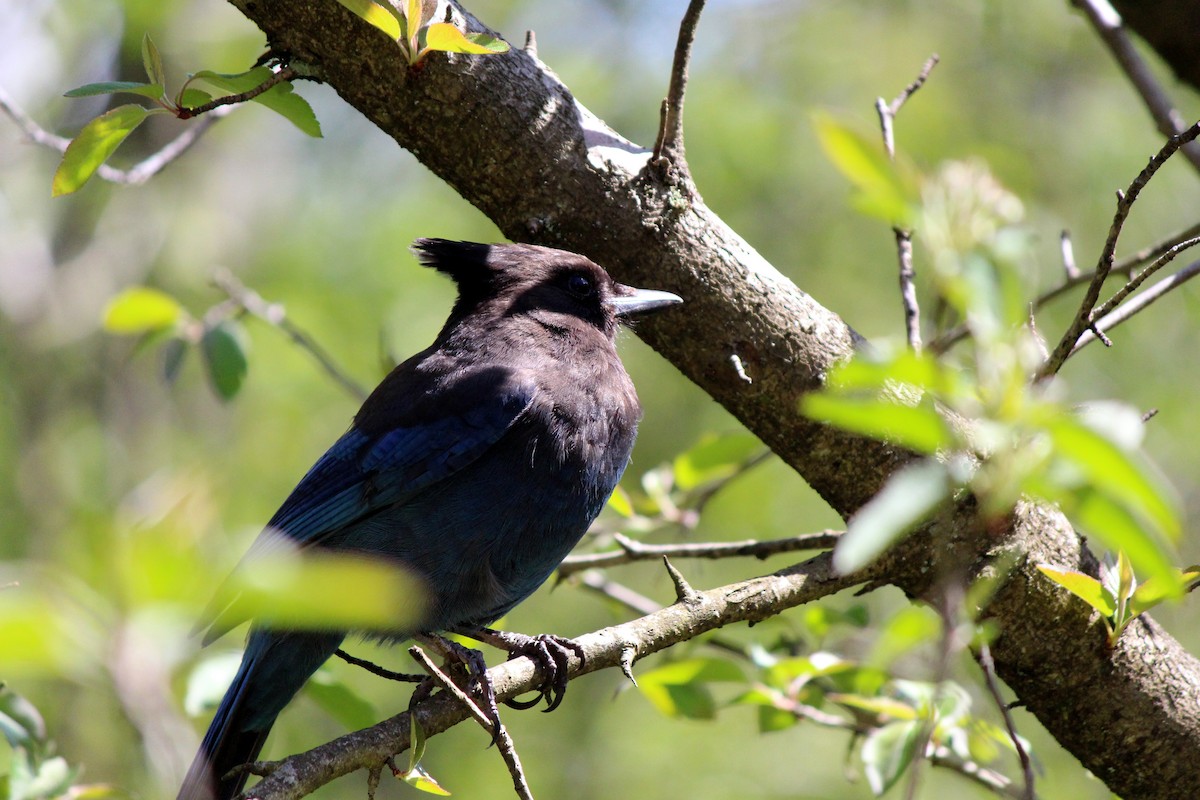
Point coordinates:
[[580, 285]]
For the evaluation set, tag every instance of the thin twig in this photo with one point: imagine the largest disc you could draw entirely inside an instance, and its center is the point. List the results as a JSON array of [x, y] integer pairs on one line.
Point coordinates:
[[1124, 266], [275, 315], [1111, 28], [1140, 302], [375, 669], [1125, 201], [670, 135], [285, 74], [632, 550], [1132, 285], [136, 175], [989, 674], [1068, 255], [500, 735], [904, 251]]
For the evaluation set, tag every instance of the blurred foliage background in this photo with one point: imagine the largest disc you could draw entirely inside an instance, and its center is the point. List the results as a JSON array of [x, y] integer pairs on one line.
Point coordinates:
[[128, 497]]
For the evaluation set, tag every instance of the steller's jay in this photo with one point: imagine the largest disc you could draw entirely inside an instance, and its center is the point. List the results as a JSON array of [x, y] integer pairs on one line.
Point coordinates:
[[476, 465]]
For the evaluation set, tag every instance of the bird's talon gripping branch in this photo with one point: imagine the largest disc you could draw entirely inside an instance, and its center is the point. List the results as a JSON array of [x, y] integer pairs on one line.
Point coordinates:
[[551, 654]]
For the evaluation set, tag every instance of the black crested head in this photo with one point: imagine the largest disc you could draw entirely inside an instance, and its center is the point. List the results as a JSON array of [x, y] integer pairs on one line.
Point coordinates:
[[554, 287]]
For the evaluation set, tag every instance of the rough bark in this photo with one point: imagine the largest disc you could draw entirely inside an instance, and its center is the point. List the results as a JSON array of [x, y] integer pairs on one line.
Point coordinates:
[[510, 138]]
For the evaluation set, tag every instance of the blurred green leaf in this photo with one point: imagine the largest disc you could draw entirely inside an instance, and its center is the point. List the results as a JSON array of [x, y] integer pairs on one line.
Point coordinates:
[[1112, 523], [419, 779], [887, 751], [152, 90], [1113, 472], [94, 144], [224, 349], [917, 427], [909, 628], [20, 721], [140, 309], [208, 681], [1085, 587], [173, 353], [885, 190], [912, 494], [620, 503], [340, 701], [311, 590], [1153, 591], [152, 61], [713, 458], [678, 688], [772, 719]]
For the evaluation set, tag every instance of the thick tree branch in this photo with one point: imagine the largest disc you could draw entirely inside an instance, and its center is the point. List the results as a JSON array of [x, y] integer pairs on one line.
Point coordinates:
[[508, 136]]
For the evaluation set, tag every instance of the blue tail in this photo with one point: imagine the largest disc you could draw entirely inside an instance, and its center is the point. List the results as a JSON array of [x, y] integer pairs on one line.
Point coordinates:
[[274, 667]]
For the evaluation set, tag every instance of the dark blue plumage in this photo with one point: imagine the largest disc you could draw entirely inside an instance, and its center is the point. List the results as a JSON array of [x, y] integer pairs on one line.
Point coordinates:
[[477, 465]]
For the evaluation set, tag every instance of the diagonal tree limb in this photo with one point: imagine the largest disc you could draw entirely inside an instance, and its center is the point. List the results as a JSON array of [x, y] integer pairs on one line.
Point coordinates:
[[509, 137]]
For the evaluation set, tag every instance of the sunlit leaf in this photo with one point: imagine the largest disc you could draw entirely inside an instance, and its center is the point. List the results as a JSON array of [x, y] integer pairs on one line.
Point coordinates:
[[445, 36], [917, 427], [140, 309], [224, 350], [714, 458], [378, 16], [887, 751], [152, 61], [1113, 472], [1085, 587], [1112, 523], [194, 98], [1153, 591], [280, 98], [151, 90], [619, 502], [208, 681], [419, 779], [879, 706], [919, 370], [884, 191], [319, 591], [94, 144], [678, 688], [912, 494]]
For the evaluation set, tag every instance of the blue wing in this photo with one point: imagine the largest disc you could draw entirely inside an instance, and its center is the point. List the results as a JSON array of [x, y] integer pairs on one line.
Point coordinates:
[[362, 474]]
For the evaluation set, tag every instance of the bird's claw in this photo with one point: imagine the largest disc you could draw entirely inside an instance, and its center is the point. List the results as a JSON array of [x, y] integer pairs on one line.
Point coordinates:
[[550, 654]]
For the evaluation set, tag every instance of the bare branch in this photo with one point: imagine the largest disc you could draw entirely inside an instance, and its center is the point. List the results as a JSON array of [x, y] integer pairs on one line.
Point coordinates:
[[275, 315], [1140, 302], [1125, 200], [989, 674], [136, 175], [670, 133], [1141, 277], [1111, 28], [1068, 256], [499, 732], [632, 550], [284, 74], [904, 252], [377, 670]]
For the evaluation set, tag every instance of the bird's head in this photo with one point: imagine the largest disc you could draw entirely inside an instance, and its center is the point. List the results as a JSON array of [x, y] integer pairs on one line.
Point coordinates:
[[555, 287]]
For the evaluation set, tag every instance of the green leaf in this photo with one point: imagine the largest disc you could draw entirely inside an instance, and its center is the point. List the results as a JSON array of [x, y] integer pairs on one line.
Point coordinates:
[[884, 190], [20, 721], [419, 779], [151, 90], [911, 627], [1153, 591], [152, 61], [917, 427], [772, 719], [141, 309], [1085, 587], [208, 681], [1113, 524], [887, 752], [224, 349], [279, 98], [909, 497], [283, 100], [1113, 472], [678, 688], [714, 458], [94, 144], [339, 701], [919, 370], [445, 36], [311, 590], [173, 353], [194, 98], [378, 16], [620, 503], [416, 742]]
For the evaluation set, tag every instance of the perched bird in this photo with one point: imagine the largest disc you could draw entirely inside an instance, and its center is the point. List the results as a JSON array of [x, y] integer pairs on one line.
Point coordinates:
[[477, 465]]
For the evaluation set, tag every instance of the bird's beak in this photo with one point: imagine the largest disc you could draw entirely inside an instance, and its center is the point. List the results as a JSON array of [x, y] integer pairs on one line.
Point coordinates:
[[639, 300]]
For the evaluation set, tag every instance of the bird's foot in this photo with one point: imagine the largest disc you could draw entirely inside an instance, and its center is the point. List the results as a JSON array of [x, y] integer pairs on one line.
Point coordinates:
[[472, 663], [551, 654]]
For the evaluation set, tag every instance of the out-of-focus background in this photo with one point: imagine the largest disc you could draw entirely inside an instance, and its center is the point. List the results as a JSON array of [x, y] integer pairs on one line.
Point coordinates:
[[102, 461]]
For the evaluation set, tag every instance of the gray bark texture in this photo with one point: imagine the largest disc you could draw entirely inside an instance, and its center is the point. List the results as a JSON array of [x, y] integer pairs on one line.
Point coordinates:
[[510, 138]]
